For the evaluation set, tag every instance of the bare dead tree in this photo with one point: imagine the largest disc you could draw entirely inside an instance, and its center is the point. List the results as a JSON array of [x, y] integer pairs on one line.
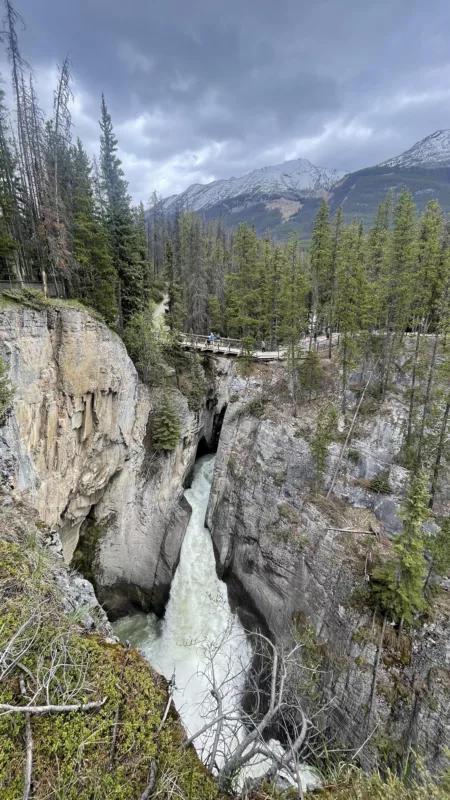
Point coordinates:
[[238, 736], [54, 685], [62, 123]]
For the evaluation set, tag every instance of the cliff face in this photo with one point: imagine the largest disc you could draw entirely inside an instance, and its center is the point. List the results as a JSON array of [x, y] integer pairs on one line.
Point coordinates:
[[76, 443], [280, 550]]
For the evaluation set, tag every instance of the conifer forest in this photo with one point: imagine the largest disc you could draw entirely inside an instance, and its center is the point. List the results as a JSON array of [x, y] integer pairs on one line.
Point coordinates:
[[360, 311]]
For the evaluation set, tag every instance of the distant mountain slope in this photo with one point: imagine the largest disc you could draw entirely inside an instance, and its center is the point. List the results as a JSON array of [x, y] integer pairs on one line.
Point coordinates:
[[361, 192], [293, 179], [286, 197], [431, 152]]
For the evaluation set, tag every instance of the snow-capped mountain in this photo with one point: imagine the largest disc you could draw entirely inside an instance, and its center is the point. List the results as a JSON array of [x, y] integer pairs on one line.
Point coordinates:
[[431, 152], [293, 178]]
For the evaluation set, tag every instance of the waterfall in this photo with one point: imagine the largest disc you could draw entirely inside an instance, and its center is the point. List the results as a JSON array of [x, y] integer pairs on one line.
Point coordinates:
[[200, 642], [199, 633]]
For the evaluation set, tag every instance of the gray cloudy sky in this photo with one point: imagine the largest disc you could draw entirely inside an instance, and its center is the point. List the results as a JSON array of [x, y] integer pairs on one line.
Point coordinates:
[[202, 89]]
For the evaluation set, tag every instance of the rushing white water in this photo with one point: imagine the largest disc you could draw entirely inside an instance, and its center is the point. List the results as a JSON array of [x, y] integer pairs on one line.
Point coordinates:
[[200, 641]]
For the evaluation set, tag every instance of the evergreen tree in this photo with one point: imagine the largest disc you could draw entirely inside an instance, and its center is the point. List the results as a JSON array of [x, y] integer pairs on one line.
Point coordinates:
[[143, 346], [311, 374], [243, 291], [177, 311], [94, 278], [6, 392], [292, 307], [399, 280], [379, 238], [330, 294], [348, 286], [141, 251], [403, 262], [321, 263], [398, 585], [166, 428], [276, 266], [12, 256], [119, 224], [438, 547], [193, 271], [325, 432]]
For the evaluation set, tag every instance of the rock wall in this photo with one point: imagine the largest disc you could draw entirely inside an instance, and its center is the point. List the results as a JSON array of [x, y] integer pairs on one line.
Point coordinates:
[[284, 560], [76, 443]]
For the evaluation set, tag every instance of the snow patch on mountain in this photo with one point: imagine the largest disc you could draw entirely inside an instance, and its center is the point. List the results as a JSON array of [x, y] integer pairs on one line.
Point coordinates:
[[297, 177], [431, 152]]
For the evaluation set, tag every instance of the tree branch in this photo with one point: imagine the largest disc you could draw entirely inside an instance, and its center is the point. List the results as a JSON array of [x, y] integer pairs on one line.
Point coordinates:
[[51, 709], [28, 746], [151, 781]]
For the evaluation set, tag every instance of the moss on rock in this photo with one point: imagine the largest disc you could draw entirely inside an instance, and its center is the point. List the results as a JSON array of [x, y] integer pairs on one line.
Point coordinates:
[[61, 663]]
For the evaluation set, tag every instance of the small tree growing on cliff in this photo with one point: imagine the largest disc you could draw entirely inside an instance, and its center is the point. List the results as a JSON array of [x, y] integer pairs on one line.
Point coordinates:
[[166, 427], [439, 549], [6, 392], [325, 431], [311, 374], [143, 346], [398, 585]]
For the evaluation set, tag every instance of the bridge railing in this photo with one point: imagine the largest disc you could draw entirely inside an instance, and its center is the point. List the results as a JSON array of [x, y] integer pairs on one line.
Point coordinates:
[[224, 344], [52, 289], [236, 347]]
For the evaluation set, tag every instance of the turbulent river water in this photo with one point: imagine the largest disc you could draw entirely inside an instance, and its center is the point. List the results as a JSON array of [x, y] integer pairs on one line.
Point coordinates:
[[199, 640], [200, 643]]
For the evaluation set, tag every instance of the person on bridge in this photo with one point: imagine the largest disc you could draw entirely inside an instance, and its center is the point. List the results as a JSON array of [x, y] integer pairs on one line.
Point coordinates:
[[263, 346], [211, 338], [218, 338]]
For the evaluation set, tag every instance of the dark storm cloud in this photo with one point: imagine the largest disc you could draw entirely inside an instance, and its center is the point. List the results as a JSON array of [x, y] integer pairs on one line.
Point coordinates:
[[201, 89]]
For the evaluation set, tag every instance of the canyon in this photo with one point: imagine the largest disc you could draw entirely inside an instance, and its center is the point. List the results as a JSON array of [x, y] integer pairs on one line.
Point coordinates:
[[76, 445]]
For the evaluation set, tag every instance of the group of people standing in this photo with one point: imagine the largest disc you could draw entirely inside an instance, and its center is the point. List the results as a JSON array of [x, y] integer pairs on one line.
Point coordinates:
[[217, 338]]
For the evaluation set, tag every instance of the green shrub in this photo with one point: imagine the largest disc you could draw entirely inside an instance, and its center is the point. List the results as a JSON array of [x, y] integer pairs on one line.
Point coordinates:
[[359, 786], [353, 456], [166, 427], [255, 407], [72, 752], [380, 484], [156, 294], [143, 346], [325, 431], [6, 392]]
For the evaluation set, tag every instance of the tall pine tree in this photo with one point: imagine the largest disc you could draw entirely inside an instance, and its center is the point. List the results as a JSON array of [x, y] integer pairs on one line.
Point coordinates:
[[119, 224], [94, 277]]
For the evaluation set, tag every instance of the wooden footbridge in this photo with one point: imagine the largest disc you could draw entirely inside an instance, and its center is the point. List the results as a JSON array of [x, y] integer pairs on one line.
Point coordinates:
[[234, 347]]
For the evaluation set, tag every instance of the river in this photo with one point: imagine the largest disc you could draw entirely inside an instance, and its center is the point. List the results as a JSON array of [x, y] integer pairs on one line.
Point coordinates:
[[199, 640], [200, 644]]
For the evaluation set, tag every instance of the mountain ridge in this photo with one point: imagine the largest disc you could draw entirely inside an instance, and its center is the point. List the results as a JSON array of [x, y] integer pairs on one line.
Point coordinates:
[[285, 197], [432, 151], [297, 176]]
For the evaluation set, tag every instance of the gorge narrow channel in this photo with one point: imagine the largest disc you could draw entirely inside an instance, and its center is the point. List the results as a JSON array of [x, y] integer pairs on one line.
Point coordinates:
[[200, 643], [199, 634]]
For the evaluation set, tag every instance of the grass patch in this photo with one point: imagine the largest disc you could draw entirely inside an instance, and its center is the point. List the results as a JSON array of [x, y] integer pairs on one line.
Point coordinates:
[[72, 751], [35, 299]]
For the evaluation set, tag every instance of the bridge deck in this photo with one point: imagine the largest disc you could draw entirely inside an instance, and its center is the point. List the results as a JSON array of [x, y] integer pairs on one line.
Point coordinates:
[[233, 347]]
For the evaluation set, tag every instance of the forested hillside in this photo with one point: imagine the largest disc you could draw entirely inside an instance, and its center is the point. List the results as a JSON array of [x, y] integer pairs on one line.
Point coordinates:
[[68, 226], [305, 446]]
